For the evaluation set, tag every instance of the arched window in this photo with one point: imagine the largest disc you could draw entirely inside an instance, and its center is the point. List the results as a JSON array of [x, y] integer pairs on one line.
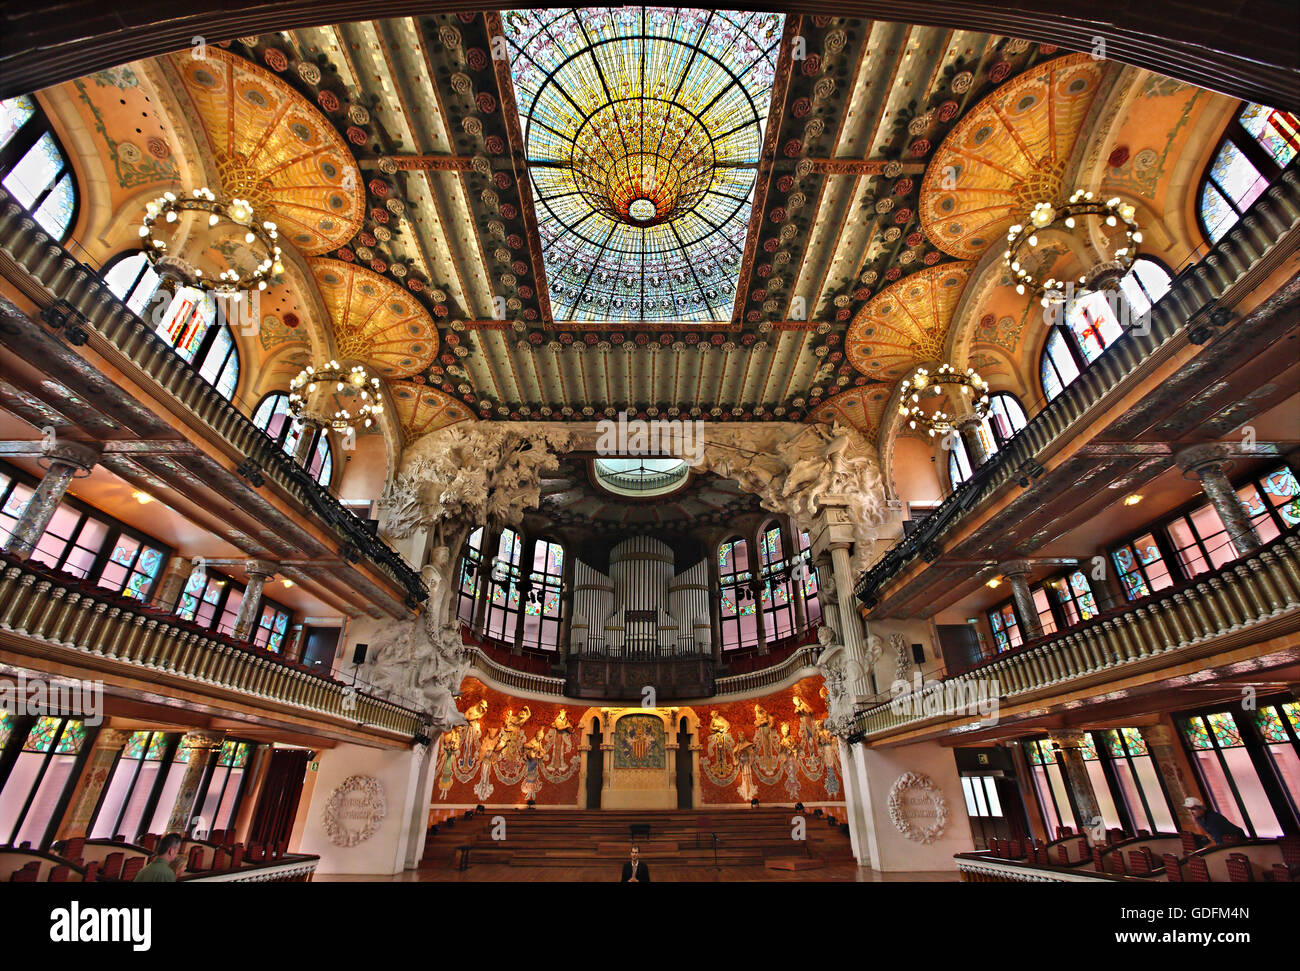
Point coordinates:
[[1005, 418], [778, 590], [1257, 146], [811, 601], [470, 563], [33, 166], [1092, 323], [503, 606], [187, 320], [543, 606], [739, 625], [272, 416]]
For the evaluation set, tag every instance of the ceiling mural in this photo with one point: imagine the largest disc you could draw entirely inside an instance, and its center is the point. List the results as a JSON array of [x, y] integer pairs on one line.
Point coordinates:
[[375, 321], [666, 211], [907, 323], [274, 149], [1013, 150]]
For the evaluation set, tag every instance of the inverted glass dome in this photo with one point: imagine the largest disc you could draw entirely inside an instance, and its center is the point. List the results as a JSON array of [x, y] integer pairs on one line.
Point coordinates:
[[638, 476]]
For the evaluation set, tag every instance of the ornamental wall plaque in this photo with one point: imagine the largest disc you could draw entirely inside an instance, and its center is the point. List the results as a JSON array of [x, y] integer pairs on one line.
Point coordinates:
[[917, 808], [355, 810]]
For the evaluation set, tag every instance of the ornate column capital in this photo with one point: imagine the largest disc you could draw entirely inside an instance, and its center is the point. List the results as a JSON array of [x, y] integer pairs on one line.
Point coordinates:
[[111, 738], [1016, 568], [203, 740], [1194, 458], [1066, 738], [82, 456]]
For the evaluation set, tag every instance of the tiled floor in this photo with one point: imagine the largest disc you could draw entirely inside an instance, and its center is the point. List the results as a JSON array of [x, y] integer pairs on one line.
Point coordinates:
[[502, 873]]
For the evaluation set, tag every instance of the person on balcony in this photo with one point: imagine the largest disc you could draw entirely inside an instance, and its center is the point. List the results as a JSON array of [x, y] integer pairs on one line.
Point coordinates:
[[1213, 824], [162, 868]]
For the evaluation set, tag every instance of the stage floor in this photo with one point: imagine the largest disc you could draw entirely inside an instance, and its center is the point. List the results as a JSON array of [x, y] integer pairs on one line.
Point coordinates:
[[662, 873]]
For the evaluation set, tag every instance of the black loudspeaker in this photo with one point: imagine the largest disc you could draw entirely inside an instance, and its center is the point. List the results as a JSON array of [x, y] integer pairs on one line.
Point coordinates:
[[359, 654], [918, 653]]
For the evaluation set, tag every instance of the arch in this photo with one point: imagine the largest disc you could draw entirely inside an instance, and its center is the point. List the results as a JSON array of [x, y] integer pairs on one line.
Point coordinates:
[[1005, 418], [1094, 321], [35, 168], [1255, 147], [271, 416]]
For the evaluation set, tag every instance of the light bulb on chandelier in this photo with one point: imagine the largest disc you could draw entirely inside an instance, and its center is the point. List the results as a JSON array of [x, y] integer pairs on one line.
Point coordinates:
[[354, 382], [260, 233], [922, 384]]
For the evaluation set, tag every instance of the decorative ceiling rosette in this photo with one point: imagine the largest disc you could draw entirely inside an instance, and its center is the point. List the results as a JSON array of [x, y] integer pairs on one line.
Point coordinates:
[[1011, 151], [906, 323], [273, 148], [375, 320], [860, 407], [421, 409]]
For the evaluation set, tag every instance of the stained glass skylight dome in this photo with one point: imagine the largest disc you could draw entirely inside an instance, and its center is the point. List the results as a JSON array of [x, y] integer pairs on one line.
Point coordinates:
[[643, 127]]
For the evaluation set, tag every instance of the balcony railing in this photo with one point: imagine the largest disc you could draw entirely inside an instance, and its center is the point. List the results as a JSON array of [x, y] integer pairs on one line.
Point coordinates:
[[90, 624], [1246, 593], [1237, 254], [54, 270], [804, 657]]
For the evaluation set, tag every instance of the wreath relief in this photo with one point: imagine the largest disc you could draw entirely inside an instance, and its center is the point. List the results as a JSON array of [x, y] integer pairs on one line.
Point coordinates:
[[355, 810], [917, 807]]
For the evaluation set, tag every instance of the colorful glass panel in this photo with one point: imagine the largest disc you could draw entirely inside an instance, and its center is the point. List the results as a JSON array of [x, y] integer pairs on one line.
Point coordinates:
[[1278, 132], [1198, 736], [1292, 709], [155, 750], [74, 733], [14, 113], [1134, 741], [42, 735], [1224, 728], [135, 745], [1269, 723], [1088, 748], [6, 727], [1114, 745], [643, 128]]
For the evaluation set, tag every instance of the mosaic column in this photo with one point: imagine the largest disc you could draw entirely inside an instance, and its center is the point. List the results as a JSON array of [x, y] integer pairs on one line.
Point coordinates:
[[1070, 744], [65, 459], [1210, 465], [250, 608], [1165, 751], [970, 427], [198, 747], [99, 766], [1016, 573]]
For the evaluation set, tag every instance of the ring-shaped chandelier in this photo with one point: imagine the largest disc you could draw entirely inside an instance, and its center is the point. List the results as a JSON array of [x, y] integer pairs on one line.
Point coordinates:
[[922, 384], [257, 232], [354, 382], [1070, 217]]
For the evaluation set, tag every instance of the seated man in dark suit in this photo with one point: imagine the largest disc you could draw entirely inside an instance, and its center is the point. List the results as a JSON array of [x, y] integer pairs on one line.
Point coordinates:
[[634, 871], [1215, 825]]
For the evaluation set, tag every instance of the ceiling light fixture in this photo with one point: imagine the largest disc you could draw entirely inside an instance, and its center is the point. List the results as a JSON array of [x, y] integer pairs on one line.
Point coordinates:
[[923, 384], [1132, 500], [355, 382], [256, 233], [1072, 218]]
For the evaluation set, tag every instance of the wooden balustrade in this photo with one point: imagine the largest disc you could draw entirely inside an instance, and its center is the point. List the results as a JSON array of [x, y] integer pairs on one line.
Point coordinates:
[[70, 614], [1247, 592]]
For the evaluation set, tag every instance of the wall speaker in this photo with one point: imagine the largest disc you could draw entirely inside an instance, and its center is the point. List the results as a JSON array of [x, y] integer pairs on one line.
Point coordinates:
[[359, 654], [918, 653]]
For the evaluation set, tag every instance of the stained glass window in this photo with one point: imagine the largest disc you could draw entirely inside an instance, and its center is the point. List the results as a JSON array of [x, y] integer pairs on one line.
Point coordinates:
[[272, 416], [1259, 144], [643, 127], [543, 606], [1292, 709], [1006, 628], [132, 567], [33, 166], [1134, 741], [1074, 594], [272, 625], [777, 590], [1269, 723], [135, 745], [1198, 736], [1282, 489], [42, 735], [739, 625], [1114, 745], [1224, 728], [1141, 566], [503, 605], [1088, 748], [6, 727]]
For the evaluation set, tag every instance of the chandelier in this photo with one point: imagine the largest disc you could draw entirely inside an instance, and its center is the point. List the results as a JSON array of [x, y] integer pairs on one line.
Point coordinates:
[[259, 235], [1023, 242], [922, 384], [355, 382]]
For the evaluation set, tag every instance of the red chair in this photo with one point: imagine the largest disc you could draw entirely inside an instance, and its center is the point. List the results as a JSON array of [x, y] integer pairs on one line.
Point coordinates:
[[92, 872], [1198, 870], [1173, 872], [195, 863], [254, 853], [281, 848], [60, 874], [217, 836], [237, 856], [27, 874], [1239, 869], [1115, 835], [113, 866], [149, 841], [132, 867], [1290, 846], [73, 848], [1188, 841], [1140, 862], [1281, 873]]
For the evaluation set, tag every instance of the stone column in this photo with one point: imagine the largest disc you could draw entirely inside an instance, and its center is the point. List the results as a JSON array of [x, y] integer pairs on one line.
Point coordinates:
[[566, 602], [969, 427], [1167, 755], [99, 765], [834, 534], [1016, 573], [303, 449], [1210, 465], [199, 746], [66, 460], [1076, 776], [250, 608], [174, 580]]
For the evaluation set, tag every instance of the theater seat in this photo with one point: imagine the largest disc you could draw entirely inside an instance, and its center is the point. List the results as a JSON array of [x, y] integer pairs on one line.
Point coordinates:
[[26, 874], [1173, 872], [1239, 869], [1197, 870], [132, 867], [113, 866], [60, 874]]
